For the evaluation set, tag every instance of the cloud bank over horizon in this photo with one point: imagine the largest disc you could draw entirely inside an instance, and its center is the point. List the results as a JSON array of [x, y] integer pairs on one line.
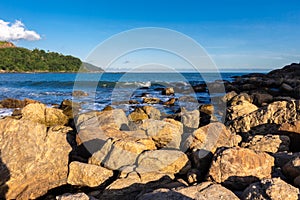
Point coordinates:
[[16, 31]]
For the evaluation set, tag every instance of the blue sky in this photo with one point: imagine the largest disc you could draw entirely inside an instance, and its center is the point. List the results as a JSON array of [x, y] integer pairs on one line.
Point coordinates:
[[236, 34]]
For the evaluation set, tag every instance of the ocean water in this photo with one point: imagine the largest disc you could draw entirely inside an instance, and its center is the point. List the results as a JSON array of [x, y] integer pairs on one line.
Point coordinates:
[[106, 88]]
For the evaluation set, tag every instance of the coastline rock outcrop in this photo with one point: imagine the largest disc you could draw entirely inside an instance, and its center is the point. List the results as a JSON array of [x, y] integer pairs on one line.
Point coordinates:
[[37, 159]]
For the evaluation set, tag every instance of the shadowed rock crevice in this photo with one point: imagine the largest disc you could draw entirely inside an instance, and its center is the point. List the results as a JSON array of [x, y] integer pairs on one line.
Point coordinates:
[[4, 177]]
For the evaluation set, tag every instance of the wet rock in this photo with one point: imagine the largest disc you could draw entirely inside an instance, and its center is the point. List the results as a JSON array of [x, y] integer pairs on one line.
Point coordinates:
[[36, 159], [268, 143], [168, 91], [286, 87], [151, 100], [239, 167], [170, 102], [166, 133], [16, 103], [271, 189], [79, 93], [83, 174], [38, 112], [70, 108], [210, 137]]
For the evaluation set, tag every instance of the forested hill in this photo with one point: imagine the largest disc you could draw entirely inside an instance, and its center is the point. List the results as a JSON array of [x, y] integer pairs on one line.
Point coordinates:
[[23, 60]]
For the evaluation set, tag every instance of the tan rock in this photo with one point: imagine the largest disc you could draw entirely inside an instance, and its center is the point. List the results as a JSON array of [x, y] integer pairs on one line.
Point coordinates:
[[240, 109], [168, 91], [210, 137], [137, 114], [104, 119], [36, 159], [39, 113], [239, 167], [203, 191], [69, 196], [151, 100], [163, 161], [268, 143], [190, 118], [83, 174], [166, 133], [119, 153], [134, 183], [152, 112], [278, 112], [271, 189]]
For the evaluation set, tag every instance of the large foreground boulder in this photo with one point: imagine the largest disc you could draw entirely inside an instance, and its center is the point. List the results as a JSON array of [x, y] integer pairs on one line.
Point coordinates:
[[239, 167], [34, 160]]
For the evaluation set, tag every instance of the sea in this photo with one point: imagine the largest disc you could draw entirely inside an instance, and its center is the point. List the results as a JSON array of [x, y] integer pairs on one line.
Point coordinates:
[[104, 89]]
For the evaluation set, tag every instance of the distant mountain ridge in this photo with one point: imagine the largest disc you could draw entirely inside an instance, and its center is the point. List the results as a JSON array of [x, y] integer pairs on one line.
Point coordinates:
[[87, 67]]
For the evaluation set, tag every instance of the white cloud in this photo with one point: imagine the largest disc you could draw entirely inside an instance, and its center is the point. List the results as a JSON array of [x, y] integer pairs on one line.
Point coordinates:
[[16, 31]]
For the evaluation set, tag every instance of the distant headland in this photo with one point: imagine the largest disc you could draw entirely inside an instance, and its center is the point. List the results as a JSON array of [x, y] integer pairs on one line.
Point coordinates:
[[19, 59]]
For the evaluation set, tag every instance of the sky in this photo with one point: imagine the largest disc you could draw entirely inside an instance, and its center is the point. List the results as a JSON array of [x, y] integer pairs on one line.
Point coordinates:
[[237, 35]]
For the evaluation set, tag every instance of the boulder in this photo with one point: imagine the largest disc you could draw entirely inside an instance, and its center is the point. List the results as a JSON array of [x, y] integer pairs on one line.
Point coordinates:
[[276, 113], [39, 113], [166, 133], [170, 102], [261, 99], [151, 100], [239, 109], [77, 196], [268, 143], [152, 112], [83, 174], [190, 119], [137, 114], [210, 137], [203, 191], [239, 167], [36, 159], [70, 108], [207, 109], [79, 93], [271, 189], [292, 168], [163, 161], [116, 154], [228, 96], [115, 118], [129, 187], [286, 87], [16, 103], [168, 91]]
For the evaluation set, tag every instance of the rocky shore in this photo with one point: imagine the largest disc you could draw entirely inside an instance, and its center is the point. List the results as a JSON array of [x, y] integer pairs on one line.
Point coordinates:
[[254, 153]]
